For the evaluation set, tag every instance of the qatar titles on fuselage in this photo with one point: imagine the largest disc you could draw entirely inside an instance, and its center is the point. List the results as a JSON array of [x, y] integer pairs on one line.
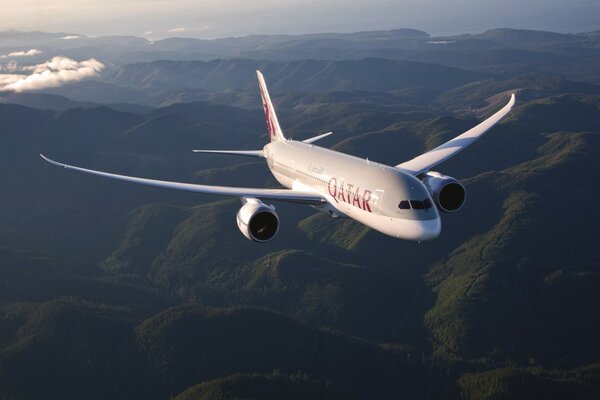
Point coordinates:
[[354, 187]]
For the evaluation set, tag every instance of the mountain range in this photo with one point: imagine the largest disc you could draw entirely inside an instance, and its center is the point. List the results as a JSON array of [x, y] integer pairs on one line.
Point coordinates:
[[111, 290]]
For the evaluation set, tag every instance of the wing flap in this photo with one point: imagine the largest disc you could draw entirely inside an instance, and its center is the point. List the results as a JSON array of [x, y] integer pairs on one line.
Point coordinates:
[[287, 195], [426, 161]]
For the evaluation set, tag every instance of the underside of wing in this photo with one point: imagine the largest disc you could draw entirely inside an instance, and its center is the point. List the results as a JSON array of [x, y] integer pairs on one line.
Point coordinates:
[[426, 161], [287, 195]]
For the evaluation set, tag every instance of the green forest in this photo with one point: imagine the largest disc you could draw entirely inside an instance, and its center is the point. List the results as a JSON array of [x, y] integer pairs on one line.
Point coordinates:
[[110, 290]]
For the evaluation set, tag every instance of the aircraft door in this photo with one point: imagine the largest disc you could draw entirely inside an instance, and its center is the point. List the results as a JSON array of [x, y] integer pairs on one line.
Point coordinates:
[[376, 199]]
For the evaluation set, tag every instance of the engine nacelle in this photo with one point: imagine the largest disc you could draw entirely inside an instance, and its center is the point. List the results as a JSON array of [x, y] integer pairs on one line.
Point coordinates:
[[448, 193], [258, 221]]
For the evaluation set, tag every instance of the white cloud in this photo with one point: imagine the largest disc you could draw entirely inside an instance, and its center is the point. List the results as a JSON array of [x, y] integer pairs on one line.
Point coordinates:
[[28, 53], [175, 30], [9, 79], [32, 52], [11, 67], [53, 73], [70, 37]]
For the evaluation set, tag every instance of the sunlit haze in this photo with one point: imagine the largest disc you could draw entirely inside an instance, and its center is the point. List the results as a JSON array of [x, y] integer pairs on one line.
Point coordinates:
[[211, 18]]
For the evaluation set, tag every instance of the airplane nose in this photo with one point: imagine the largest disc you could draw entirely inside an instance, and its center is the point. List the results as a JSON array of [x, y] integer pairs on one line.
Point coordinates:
[[420, 230]]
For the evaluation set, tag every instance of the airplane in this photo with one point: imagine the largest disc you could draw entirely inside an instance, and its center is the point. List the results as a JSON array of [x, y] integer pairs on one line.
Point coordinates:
[[403, 201]]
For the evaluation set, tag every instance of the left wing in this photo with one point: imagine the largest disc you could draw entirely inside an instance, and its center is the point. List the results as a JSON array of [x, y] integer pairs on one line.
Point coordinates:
[[288, 195], [426, 161]]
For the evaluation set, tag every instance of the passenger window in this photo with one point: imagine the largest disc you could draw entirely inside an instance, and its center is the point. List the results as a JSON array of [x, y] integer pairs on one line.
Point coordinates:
[[404, 205], [417, 205], [427, 204]]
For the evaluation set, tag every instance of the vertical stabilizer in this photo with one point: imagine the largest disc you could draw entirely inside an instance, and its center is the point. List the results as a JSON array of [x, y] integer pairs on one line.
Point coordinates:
[[273, 127]]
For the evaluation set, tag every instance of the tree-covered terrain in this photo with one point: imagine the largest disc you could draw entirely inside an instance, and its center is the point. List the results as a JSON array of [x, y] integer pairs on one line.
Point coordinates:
[[112, 290]]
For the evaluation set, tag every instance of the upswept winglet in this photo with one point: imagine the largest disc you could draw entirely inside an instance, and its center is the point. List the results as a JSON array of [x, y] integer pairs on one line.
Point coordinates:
[[294, 196], [426, 161], [275, 133]]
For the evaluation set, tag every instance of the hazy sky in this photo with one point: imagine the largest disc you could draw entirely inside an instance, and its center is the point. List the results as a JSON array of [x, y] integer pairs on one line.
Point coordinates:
[[218, 18]]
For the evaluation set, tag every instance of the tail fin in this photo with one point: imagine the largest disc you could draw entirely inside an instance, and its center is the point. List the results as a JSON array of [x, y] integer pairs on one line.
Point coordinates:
[[275, 133]]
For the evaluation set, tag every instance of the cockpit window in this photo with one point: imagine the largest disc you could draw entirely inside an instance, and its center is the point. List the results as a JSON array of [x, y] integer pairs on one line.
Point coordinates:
[[417, 205], [404, 205]]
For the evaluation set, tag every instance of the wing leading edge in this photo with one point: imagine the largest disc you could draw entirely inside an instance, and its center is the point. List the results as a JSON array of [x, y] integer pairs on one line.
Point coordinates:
[[426, 161], [287, 195]]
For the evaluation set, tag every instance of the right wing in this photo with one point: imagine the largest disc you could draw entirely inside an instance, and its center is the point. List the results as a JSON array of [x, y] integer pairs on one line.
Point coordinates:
[[287, 195], [426, 161]]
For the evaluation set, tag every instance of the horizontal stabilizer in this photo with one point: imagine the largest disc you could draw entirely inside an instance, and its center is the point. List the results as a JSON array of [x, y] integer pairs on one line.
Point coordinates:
[[319, 137], [248, 153]]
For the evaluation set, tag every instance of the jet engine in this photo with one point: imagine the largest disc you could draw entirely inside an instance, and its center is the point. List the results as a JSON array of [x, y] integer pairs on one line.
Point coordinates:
[[258, 221], [448, 193]]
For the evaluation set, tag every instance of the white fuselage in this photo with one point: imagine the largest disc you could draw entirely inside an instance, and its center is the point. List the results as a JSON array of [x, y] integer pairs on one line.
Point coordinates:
[[363, 190]]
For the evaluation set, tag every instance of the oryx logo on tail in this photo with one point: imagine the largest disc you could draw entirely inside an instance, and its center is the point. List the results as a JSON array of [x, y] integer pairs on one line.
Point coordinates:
[[273, 128]]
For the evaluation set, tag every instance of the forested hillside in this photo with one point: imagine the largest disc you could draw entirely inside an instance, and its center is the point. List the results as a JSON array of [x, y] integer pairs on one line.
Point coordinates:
[[112, 290]]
